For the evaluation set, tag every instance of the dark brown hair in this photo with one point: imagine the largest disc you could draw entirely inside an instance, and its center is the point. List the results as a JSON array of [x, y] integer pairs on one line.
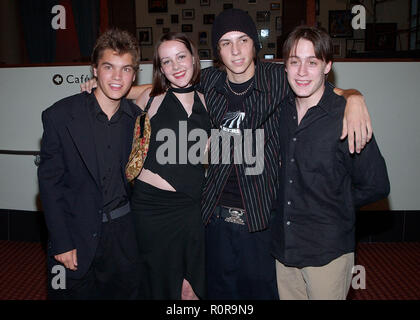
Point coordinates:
[[319, 37], [121, 42], [160, 84]]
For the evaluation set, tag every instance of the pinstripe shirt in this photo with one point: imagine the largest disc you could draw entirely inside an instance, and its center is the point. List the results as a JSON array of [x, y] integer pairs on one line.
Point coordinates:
[[261, 112]]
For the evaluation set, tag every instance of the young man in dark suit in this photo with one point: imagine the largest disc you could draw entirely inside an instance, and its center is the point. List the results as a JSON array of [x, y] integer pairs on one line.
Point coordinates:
[[85, 147]]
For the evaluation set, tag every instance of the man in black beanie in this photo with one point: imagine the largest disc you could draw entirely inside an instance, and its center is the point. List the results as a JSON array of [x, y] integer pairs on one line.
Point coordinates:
[[244, 93]]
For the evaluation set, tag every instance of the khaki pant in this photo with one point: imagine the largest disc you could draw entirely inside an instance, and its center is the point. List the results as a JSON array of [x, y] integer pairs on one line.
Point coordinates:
[[329, 282]]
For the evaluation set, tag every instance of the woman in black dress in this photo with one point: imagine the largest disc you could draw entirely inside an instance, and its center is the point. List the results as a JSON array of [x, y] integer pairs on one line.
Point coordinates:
[[167, 194]]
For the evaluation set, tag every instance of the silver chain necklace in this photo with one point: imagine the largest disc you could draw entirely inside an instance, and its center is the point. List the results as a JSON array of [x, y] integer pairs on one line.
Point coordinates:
[[239, 93]]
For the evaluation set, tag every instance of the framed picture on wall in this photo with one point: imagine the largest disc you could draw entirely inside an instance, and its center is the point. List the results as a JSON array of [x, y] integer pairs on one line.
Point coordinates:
[[145, 36], [275, 6], [188, 14], [339, 24], [227, 6], [208, 18], [202, 38], [278, 25], [174, 18], [166, 30], [381, 37], [179, 1], [187, 28], [158, 6], [252, 1], [204, 2], [263, 16], [159, 21], [204, 54]]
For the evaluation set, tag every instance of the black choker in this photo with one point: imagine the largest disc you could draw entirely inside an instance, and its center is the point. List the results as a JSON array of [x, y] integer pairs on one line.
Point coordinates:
[[182, 90]]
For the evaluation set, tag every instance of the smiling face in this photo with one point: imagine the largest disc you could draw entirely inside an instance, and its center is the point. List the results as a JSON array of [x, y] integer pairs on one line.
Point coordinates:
[[237, 51], [115, 74], [176, 63], [306, 73]]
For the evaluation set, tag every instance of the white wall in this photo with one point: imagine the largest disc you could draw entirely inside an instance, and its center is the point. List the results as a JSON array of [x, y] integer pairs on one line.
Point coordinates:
[[391, 90]]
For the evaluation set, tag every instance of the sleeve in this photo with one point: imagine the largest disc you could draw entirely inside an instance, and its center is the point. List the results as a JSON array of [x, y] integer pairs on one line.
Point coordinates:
[[51, 184], [369, 175], [285, 87], [204, 79]]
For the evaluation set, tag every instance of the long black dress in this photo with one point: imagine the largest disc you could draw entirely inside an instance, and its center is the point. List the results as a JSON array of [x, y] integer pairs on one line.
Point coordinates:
[[169, 226]]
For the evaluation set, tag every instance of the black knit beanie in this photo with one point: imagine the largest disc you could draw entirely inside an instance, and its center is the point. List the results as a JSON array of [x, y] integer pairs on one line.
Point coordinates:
[[234, 20]]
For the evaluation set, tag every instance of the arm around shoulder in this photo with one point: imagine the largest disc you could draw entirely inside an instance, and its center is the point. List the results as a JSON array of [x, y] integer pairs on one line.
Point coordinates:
[[357, 125], [143, 98], [136, 91], [369, 175]]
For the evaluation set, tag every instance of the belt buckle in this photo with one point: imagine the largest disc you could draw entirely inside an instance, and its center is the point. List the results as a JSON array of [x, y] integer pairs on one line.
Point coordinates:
[[235, 216]]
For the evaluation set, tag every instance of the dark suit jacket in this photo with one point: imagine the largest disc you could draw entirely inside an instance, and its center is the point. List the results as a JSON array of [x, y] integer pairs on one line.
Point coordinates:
[[69, 178]]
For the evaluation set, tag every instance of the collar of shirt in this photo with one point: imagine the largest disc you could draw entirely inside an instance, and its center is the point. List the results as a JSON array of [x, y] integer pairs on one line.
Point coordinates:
[[325, 101], [97, 112], [260, 83]]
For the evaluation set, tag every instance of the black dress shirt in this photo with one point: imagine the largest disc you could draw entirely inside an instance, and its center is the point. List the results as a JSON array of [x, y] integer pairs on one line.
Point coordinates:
[[108, 137], [321, 184]]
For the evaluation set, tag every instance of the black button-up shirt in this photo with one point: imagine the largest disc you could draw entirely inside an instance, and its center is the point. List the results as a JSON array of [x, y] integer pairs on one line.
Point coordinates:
[[108, 137], [321, 183]]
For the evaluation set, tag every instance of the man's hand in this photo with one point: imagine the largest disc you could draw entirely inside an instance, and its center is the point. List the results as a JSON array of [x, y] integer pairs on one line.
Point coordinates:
[[88, 85], [357, 125], [69, 259]]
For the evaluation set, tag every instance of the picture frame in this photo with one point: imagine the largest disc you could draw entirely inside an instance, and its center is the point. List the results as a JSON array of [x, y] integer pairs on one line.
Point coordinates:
[[252, 1], [204, 54], [208, 18], [174, 18], [275, 5], [279, 25], [158, 6], [187, 28], [188, 14], [145, 36], [339, 24], [263, 16], [179, 1], [204, 3], [381, 36], [227, 6], [159, 21], [166, 30], [202, 38]]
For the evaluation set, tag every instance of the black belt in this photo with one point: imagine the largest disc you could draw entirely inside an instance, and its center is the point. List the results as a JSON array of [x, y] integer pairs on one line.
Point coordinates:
[[116, 213], [232, 215]]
